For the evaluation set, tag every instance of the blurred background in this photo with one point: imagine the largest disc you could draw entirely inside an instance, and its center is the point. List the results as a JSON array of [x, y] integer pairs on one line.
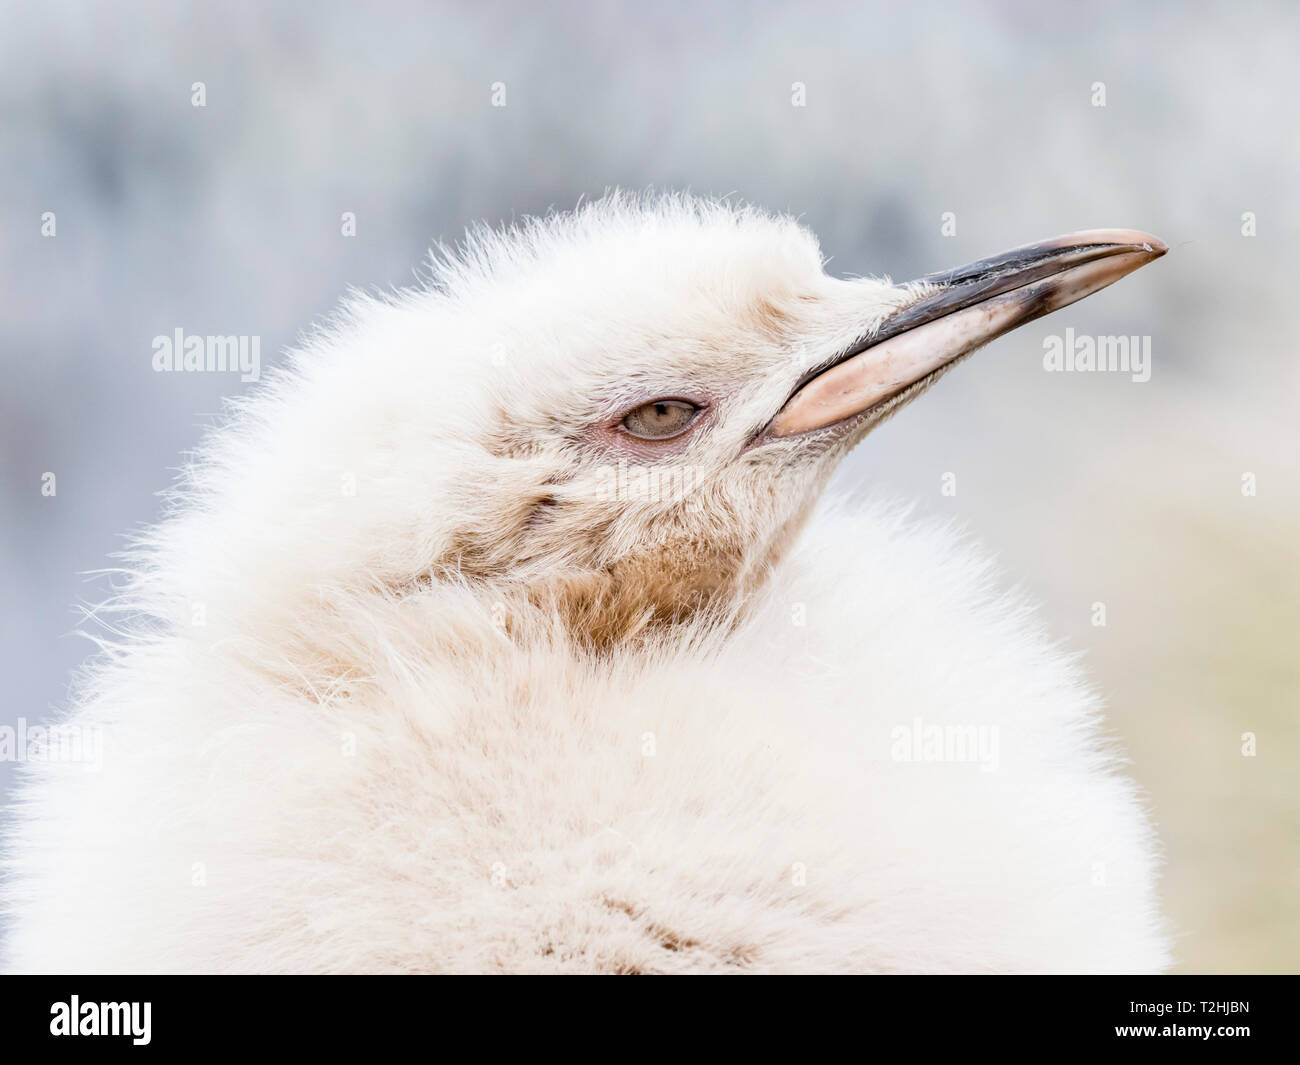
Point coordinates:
[[1090, 488]]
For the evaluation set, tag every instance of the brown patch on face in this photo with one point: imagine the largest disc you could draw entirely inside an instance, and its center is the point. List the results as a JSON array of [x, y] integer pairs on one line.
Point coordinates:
[[668, 581], [642, 594]]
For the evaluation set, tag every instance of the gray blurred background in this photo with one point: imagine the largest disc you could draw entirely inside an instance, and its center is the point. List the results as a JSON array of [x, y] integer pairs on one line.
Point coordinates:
[[225, 219]]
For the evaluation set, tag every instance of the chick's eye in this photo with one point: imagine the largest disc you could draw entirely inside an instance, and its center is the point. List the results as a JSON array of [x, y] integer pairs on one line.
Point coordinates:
[[661, 419]]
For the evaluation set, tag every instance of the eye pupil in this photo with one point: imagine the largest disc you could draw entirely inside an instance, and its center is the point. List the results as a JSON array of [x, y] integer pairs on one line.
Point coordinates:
[[661, 419]]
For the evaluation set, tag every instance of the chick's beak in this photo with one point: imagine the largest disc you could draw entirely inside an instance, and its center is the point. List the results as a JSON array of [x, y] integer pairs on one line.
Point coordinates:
[[968, 307]]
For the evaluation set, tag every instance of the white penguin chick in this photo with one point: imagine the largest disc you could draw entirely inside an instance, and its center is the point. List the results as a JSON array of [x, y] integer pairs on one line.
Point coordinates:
[[500, 633]]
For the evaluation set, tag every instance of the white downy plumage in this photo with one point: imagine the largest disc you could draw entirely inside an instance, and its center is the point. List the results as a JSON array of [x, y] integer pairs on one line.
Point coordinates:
[[485, 683]]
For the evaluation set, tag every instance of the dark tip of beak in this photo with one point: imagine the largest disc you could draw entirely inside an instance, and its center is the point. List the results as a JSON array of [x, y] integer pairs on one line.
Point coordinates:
[[986, 278]]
